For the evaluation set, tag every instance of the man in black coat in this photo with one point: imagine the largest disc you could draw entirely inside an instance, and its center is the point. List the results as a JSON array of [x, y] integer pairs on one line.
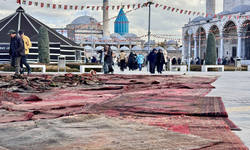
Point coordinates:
[[16, 51], [108, 60], [160, 61], [152, 58]]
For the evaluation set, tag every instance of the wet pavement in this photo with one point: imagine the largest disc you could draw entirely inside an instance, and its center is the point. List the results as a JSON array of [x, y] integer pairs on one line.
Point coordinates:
[[232, 87]]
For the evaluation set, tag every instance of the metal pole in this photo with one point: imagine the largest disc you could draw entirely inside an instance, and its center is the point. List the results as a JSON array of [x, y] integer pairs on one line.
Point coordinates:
[[199, 43], [91, 38], [149, 31], [189, 46]]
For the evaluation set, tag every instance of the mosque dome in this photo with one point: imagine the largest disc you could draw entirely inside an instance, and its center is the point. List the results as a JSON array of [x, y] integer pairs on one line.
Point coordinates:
[[84, 20], [172, 42], [93, 37], [197, 19], [105, 38], [120, 38], [115, 35], [241, 8], [224, 13], [130, 35], [171, 48]]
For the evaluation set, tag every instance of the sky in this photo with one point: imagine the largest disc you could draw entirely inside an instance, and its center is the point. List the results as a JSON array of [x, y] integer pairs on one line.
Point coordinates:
[[162, 21]]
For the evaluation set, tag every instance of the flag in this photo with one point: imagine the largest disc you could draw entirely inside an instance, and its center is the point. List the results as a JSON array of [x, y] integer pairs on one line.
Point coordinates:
[[54, 6], [65, 7], [173, 9], [146, 4], [97, 7], [76, 7], [133, 6], [82, 7], [18, 1], [215, 16], [194, 13], [48, 5], [189, 12], [102, 7], [118, 7], [230, 16], [93, 7], [164, 7], [139, 5], [42, 4], [30, 2], [177, 10], [198, 13], [70, 7], [221, 16], [107, 8], [185, 12], [36, 3], [128, 6], [156, 5], [87, 7], [24, 2], [113, 7], [207, 15], [123, 6], [238, 16], [181, 11], [59, 6], [247, 17], [168, 8]]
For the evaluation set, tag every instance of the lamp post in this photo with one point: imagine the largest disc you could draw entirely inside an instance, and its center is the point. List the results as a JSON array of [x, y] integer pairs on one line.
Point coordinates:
[[150, 2], [91, 19], [189, 45]]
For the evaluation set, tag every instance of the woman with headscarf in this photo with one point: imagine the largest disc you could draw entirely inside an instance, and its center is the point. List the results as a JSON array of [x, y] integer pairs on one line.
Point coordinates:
[[152, 58], [139, 60], [160, 61], [108, 59], [131, 61]]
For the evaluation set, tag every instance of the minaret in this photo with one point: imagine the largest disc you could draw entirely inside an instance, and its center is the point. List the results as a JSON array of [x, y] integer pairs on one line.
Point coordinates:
[[210, 6], [105, 18]]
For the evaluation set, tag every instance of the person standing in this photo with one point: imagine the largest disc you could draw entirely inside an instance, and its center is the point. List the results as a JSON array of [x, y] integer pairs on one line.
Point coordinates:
[[122, 60], [16, 51], [152, 58], [179, 61], [108, 59], [140, 60], [160, 61], [165, 54], [27, 46], [131, 61]]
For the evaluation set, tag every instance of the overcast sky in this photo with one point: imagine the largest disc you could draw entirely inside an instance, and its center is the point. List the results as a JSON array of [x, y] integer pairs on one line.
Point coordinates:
[[162, 21]]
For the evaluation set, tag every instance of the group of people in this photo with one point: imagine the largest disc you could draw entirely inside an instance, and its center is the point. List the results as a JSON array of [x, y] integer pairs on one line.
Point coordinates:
[[157, 59], [19, 50]]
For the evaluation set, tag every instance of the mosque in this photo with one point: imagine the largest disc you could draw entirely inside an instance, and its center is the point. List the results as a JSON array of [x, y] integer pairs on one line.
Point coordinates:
[[231, 32]]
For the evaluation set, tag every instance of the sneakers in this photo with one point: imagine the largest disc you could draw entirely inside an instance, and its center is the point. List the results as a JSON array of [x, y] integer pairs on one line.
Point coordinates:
[[22, 71], [29, 72]]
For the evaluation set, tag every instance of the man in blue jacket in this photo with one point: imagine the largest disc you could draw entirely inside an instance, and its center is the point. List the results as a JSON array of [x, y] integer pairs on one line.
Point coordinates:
[[16, 51]]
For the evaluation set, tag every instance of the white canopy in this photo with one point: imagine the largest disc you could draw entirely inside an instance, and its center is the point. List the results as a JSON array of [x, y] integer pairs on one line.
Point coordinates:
[[125, 48], [113, 48], [136, 48], [87, 47], [99, 48]]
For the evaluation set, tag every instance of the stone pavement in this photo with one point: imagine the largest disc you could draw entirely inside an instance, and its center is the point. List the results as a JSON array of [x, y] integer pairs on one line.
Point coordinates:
[[232, 87]]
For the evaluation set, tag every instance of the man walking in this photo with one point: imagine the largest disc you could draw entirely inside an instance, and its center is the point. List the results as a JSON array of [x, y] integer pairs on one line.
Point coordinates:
[[27, 46], [16, 51]]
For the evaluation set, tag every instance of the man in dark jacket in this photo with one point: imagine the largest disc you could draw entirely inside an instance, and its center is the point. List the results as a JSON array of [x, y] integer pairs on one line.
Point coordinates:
[[160, 61], [108, 60], [152, 58], [16, 50]]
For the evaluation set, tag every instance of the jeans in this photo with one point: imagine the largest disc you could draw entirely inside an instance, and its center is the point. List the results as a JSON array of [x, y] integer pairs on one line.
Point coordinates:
[[139, 66], [16, 61], [24, 62], [105, 68], [122, 64]]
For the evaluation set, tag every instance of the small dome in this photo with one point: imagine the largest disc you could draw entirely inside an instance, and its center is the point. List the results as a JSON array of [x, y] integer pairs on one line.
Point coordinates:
[[84, 20], [93, 37], [171, 48], [105, 38], [87, 47], [113, 48], [115, 35], [171, 42], [99, 48], [130, 35], [224, 13], [197, 19], [152, 42], [136, 48], [120, 38], [241, 8], [124, 48]]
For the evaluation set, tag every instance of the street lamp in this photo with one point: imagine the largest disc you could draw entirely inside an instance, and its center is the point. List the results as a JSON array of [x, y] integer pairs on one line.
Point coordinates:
[[91, 21], [190, 32], [150, 2]]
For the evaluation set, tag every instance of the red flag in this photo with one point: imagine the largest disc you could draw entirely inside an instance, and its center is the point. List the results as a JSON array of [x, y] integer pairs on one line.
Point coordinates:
[[181, 11], [173, 9], [146, 4], [247, 17], [30, 2], [230, 16], [222, 16], [97, 7], [76, 7], [198, 13], [18, 1], [42, 4], [107, 8], [118, 7], [156, 5], [164, 7], [189, 12], [65, 7], [128, 6], [238, 16], [87, 7], [215, 16], [139, 5], [207, 15], [54, 6]]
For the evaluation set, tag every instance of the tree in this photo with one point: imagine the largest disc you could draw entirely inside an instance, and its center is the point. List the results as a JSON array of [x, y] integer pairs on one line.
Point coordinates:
[[43, 45], [211, 55]]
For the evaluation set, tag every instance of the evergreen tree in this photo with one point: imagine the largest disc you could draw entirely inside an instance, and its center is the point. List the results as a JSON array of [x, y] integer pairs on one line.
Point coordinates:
[[43, 45], [211, 55]]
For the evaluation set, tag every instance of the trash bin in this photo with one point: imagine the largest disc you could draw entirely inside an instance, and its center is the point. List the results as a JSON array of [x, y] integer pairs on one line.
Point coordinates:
[[237, 63], [62, 63]]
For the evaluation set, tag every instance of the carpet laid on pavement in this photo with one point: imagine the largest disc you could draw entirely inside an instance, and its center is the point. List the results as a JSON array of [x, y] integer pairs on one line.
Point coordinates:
[[173, 103]]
